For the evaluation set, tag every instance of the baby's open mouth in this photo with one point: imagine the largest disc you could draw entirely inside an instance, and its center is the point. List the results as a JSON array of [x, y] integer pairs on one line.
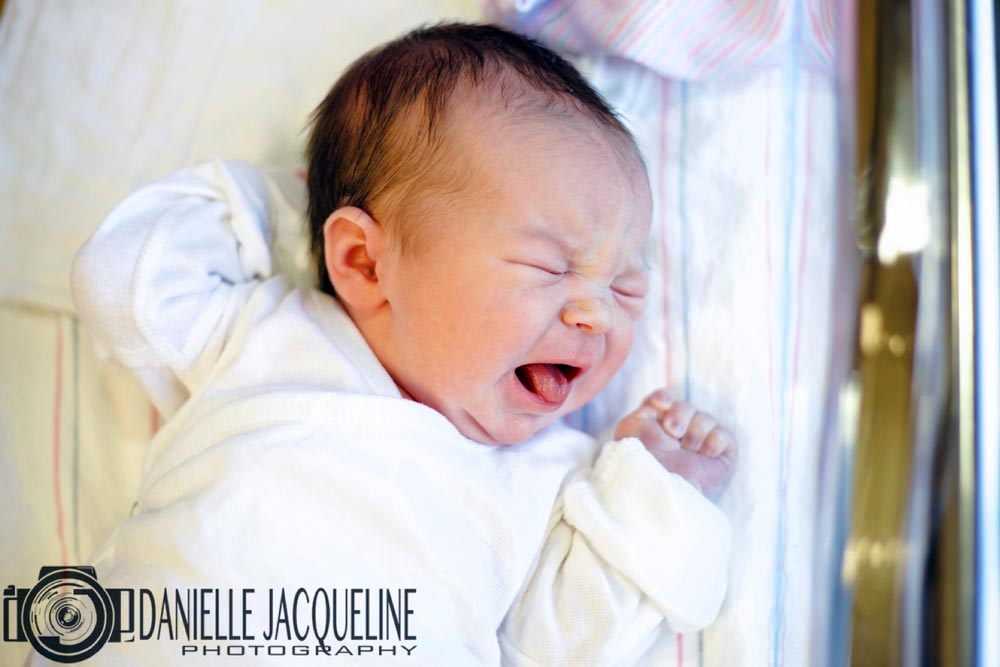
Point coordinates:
[[550, 382]]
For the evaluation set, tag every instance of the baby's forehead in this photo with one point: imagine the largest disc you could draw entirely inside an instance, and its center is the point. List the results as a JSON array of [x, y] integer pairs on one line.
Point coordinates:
[[492, 115], [510, 100], [507, 154], [490, 134]]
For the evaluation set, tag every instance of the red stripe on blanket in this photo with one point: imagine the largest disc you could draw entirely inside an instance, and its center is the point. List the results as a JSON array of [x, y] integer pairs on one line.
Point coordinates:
[[566, 33], [650, 23], [738, 29], [57, 443], [624, 23], [769, 40], [664, 99], [817, 30], [693, 26], [154, 420]]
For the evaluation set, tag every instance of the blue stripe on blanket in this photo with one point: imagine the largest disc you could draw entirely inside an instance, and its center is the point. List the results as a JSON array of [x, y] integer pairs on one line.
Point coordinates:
[[790, 83], [683, 220]]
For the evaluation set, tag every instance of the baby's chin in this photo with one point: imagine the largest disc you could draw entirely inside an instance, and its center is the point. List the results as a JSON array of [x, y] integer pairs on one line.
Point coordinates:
[[492, 422], [502, 432], [504, 427]]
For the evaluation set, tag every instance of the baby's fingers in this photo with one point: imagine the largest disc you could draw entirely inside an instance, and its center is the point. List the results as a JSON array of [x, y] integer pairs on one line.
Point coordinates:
[[702, 424], [644, 424], [677, 418], [660, 400], [719, 441]]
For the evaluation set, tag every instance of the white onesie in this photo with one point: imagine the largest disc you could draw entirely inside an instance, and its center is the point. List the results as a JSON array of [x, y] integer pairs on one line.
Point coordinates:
[[290, 461]]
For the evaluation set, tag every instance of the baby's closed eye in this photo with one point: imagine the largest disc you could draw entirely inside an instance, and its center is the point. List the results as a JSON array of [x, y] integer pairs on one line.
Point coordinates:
[[551, 270], [551, 267], [634, 285]]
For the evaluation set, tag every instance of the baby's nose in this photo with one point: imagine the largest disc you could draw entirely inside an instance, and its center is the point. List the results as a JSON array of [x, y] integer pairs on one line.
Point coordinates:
[[594, 315]]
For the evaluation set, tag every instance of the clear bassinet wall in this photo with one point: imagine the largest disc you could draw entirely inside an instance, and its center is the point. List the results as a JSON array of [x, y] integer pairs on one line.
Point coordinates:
[[907, 541]]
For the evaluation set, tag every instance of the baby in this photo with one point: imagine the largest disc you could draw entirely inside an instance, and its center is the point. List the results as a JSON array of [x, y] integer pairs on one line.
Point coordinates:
[[477, 216], [481, 213]]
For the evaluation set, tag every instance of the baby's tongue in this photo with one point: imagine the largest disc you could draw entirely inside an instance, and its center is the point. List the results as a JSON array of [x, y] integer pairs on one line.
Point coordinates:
[[546, 380]]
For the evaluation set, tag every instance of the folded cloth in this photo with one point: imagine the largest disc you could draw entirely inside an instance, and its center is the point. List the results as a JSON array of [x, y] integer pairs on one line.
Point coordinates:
[[707, 40]]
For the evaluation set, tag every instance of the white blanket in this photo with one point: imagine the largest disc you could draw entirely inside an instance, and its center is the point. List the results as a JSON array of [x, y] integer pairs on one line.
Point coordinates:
[[291, 461]]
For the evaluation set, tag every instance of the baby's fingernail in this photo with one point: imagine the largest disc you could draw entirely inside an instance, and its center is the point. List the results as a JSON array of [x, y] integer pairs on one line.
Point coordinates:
[[660, 405], [672, 426]]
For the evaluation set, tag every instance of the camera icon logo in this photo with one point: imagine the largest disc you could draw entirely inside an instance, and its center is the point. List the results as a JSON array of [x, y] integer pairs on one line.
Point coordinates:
[[67, 616]]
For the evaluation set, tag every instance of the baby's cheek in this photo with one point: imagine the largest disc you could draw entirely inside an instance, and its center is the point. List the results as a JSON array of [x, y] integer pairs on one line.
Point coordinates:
[[622, 344]]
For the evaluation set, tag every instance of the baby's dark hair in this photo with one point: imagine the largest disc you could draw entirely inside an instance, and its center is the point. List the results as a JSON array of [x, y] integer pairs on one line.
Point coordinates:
[[367, 141]]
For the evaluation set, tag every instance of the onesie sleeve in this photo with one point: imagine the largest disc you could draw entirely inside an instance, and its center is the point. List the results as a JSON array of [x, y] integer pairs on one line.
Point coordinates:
[[630, 546], [161, 281]]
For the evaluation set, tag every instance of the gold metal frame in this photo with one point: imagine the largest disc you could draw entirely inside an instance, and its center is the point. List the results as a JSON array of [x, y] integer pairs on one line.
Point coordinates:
[[902, 577]]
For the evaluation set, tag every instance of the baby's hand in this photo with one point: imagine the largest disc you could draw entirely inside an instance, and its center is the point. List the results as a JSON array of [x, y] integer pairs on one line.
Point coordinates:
[[683, 440]]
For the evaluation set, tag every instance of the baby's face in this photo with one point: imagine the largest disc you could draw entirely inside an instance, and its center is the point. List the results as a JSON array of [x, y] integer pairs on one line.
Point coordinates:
[[521, 305]]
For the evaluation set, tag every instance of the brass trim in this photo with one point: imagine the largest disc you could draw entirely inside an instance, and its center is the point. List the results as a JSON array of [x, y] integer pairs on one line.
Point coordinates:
[[958, 585]]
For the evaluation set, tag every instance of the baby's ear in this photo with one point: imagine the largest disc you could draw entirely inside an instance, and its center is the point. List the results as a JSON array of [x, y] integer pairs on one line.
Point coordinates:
[[353, 244]]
